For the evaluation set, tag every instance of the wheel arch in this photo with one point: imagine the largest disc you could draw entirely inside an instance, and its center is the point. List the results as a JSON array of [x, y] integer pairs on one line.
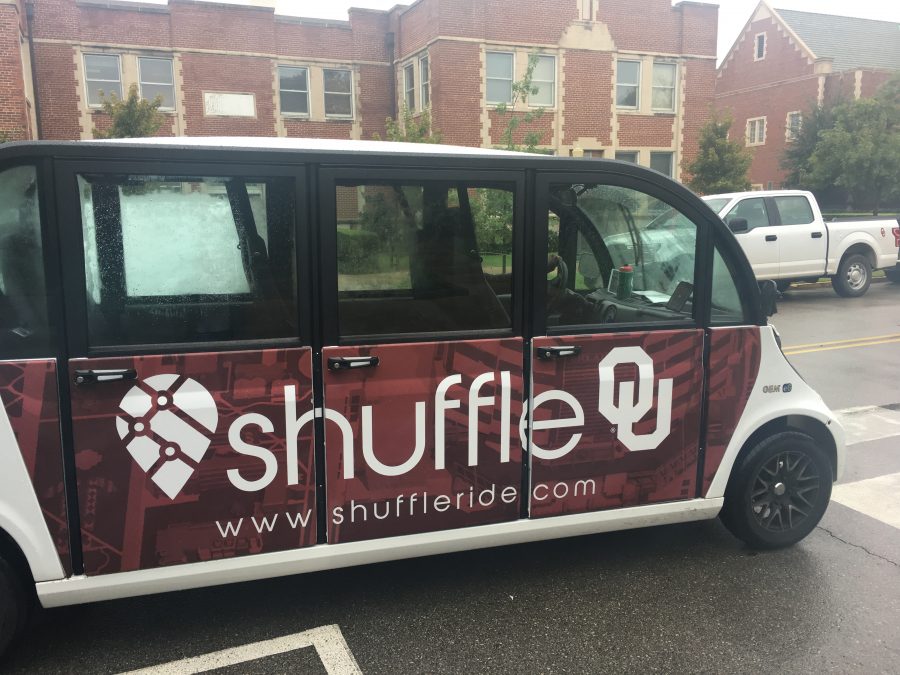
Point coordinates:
[[859, 247], [12, 553]]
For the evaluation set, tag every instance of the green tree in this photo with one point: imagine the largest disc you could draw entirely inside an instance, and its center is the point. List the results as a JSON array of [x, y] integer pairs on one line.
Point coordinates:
[[797, 157], [861, 153], [521, 91], [410, 128], [721, 164], [132, 116]]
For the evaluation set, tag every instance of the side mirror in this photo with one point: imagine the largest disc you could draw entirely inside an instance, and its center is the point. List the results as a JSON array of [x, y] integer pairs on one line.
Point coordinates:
[[738, 225], [768, 297]]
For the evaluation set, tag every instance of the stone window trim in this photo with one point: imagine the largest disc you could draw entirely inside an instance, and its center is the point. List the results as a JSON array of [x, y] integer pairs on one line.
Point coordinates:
[[84, 59], [756, 131], [325, 93], [662, 87], [793, 125], [424, 81], [636, 85], [512, 74], [142, 81], [291, 114], [409, 86], [760, 47]]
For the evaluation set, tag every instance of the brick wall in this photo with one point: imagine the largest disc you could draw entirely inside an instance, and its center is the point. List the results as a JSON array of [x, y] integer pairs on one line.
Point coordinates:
[[656, 26], [645, 130], [13, 108], [587, 108], [456, 91], [543, 126], [699, 87], [57, 91]]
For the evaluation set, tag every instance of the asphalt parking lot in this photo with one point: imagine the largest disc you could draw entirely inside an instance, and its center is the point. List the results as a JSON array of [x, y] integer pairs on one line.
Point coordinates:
[[685, 598]]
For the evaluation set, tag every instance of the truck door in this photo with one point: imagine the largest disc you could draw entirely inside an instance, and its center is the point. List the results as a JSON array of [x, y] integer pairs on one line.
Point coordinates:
[[422, 365], [190, 366], [802, 241], [761, 242], [617, 357]]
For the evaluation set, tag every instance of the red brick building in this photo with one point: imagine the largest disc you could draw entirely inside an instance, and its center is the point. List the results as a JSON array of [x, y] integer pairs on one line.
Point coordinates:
[[626, 78], [786, 62]]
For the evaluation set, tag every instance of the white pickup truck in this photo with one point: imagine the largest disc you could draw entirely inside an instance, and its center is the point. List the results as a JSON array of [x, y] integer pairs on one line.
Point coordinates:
[[786, 239]]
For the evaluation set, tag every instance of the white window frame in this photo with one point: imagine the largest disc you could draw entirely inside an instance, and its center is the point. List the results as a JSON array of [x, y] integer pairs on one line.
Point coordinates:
[[84, 56], [424, 82], [636, 153], [291, 113], [512, 75], [158, 84], [671, 156], [754, 138], [409, 86], [552, 84], [637, 85], [673, 88], [765, 46], [325, 92], [788, 135]]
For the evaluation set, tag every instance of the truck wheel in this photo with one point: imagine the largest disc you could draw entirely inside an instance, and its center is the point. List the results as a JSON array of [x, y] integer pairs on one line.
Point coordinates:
[[782, 285], [778, 491], [893, 275], [854, 276], [14, 605]]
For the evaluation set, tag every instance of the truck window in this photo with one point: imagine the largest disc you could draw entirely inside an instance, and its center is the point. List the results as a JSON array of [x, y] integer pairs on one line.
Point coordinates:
[[794, 210], [174, 259], [594, 231], [23, 301], [423, 257], [753, 209], [727, 308]]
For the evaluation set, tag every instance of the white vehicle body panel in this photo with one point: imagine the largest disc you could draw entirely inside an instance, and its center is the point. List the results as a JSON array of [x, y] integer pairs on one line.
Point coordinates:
[[20, 512], [796, 253], [763, 407], [332, 556]]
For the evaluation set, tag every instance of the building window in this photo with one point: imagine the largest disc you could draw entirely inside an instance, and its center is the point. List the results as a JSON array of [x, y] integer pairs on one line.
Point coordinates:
[[499, 77], [293, 90], [792, 128], [544, 79], [102, 77], [664, 75], [156, 79], [628, 84], [756, 131], [662, 162], [424, 82], [760, 47], [409, 86], [627, 156], [338, 93]]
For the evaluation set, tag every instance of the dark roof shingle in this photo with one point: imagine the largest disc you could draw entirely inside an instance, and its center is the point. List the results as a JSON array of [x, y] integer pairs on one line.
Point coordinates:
[[851, 42]]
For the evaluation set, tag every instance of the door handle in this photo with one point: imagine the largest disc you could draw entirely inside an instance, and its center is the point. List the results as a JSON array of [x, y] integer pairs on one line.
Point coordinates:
[[816, 235], [550, 353], [771, 237], [351, 362], [110, 375]]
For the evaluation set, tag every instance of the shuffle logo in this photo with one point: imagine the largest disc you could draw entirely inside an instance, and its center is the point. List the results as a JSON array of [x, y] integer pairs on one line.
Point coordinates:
[[166, 423]]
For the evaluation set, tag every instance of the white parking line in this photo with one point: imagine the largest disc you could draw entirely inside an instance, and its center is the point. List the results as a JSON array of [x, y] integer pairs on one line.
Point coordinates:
[[869, 423], [328, 641], [878, 497]]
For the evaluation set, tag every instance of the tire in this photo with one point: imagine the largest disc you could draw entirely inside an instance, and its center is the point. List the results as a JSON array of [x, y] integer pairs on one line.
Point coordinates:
[[15, 605], [778, 491], [854, 276], [782, 285], [893, 275]]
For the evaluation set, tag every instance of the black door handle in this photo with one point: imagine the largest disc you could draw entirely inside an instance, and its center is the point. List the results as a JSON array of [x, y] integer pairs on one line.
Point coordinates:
[[816, 235], [110, 375], [771, 237], [550, 353], [351, 362]]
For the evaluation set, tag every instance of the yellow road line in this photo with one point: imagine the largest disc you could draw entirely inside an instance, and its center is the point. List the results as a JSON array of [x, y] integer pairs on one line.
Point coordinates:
[[840, 342], [850, 346]]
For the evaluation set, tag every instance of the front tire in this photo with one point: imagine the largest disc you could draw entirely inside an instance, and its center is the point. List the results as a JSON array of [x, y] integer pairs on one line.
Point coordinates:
[[15, 605], [854, 276], [778, 491]]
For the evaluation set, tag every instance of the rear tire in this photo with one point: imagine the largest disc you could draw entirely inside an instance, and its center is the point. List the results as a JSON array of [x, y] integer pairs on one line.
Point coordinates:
[[893, 275], [15, 605], [778, 491], [854, 276], [782, 285]]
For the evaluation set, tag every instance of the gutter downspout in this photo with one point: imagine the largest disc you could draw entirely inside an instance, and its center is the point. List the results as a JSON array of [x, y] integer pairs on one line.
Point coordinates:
[[29, 18]]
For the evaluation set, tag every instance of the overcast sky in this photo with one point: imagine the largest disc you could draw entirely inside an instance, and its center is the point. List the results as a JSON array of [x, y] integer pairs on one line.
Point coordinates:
[[733, 14]]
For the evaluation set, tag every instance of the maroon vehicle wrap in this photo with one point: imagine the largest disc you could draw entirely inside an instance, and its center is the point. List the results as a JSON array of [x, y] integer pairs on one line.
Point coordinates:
[[30, 396], [600, 472], [734, 358], [402, 391], [129, 522]]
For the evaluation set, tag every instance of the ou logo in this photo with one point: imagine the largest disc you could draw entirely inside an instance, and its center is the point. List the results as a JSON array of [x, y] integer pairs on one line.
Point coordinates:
[[630, 411], [163, 425]]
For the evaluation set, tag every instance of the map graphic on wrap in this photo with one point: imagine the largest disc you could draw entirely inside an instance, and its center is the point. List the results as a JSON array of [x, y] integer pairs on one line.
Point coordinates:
[[164, 427]]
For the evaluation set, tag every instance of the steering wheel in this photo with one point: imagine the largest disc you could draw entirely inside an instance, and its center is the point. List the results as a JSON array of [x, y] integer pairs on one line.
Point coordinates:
[[558, 282]]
